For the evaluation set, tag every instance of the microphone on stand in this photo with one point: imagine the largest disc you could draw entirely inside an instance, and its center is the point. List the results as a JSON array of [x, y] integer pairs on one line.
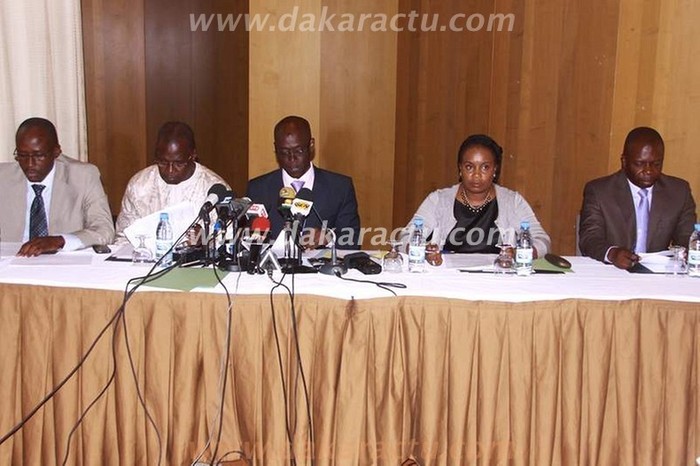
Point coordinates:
[[334, 267], [257, 210], [284, 206], [233, 208], [260, 228], [216, 193], [302, 206]]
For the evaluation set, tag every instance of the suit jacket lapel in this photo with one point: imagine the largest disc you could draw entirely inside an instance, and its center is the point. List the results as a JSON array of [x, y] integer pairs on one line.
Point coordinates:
[[660, 203], [320, 189], [275, 185], [58, 198], [16, 200], [625, 204]]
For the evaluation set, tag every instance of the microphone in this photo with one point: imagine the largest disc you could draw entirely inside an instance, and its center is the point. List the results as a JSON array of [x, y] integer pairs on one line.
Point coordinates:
[[241, 206], [303, 204], [260, 229], [286, 198], [230, 207], [257, 210], [216, 193]]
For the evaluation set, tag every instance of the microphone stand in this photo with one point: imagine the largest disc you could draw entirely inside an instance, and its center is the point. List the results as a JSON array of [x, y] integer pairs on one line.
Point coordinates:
[[288, 241], [228, 260], [292, 262], [334, 267], [206, 221]]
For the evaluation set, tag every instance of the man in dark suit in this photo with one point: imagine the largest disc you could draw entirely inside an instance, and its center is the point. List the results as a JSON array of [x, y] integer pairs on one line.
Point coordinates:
[[638, 209], [333, 194], [50, 201]]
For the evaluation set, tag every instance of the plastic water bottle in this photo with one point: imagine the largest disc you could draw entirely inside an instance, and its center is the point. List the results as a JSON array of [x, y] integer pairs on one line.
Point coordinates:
[[416, 247], [164, 239], [523, 252], [694, 253]]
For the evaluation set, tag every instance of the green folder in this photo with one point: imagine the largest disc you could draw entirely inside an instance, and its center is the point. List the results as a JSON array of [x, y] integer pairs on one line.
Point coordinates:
[[186, 279]]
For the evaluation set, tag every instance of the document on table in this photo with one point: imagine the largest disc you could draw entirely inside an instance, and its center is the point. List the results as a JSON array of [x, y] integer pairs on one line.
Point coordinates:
[[9, 250], [655, 261], [60, 258], [181, 216]]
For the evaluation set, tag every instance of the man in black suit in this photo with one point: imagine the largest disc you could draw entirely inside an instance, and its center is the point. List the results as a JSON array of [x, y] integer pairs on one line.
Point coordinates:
[[638, 209], [333, 194]]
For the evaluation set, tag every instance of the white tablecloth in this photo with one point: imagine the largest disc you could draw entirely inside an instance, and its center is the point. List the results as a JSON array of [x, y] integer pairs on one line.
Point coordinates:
[[590, 279]]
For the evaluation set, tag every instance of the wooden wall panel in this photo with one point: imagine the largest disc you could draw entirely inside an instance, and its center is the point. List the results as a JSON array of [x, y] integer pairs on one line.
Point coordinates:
[[200, 77], [565, 109], [145, 66], [443, 94], [285, 77], [559, 92], [544, 91], [113, 38], [358, 102], [657, 69]]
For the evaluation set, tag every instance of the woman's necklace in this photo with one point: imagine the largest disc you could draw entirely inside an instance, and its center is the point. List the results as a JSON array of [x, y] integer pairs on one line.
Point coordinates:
[[462, 197]]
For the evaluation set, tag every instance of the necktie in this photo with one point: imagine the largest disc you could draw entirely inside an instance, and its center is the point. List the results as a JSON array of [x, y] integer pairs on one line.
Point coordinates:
[[38, 226], [297, 185], [642, 221]]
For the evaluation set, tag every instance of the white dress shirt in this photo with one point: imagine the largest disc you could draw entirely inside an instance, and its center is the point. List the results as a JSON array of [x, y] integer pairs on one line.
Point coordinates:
[[308, 178]]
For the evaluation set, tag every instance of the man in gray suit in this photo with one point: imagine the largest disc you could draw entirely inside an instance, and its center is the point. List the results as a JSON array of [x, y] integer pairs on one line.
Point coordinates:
[[638, 209], [51, 202]]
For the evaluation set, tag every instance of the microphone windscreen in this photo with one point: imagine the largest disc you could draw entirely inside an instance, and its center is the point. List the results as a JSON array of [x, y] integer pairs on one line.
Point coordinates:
[[218, 189], [287, 193], [257, 210], [306, 194], [260, 224]]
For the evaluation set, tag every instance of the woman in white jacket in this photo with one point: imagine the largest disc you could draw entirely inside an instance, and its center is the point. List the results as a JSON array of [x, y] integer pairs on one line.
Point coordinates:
[[477, 214]]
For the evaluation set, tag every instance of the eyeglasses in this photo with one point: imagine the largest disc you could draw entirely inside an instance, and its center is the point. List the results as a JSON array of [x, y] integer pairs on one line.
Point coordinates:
[[37, 156], [173, 165], [289, 153]]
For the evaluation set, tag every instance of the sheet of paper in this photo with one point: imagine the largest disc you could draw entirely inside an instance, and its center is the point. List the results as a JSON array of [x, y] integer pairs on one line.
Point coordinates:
[[121, 253], [8, 250], [60, 258], [181, 216], [660, 258]]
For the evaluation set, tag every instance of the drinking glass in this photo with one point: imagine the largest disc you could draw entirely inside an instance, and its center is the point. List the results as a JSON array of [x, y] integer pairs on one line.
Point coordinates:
[[141, 254], [676, 264], [392, 261], [504, 262]]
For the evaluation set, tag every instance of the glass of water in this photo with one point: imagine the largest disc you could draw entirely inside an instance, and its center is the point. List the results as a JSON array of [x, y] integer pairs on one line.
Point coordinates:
[[676, 265], [504, 262], [392, 261], [141, 254]]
